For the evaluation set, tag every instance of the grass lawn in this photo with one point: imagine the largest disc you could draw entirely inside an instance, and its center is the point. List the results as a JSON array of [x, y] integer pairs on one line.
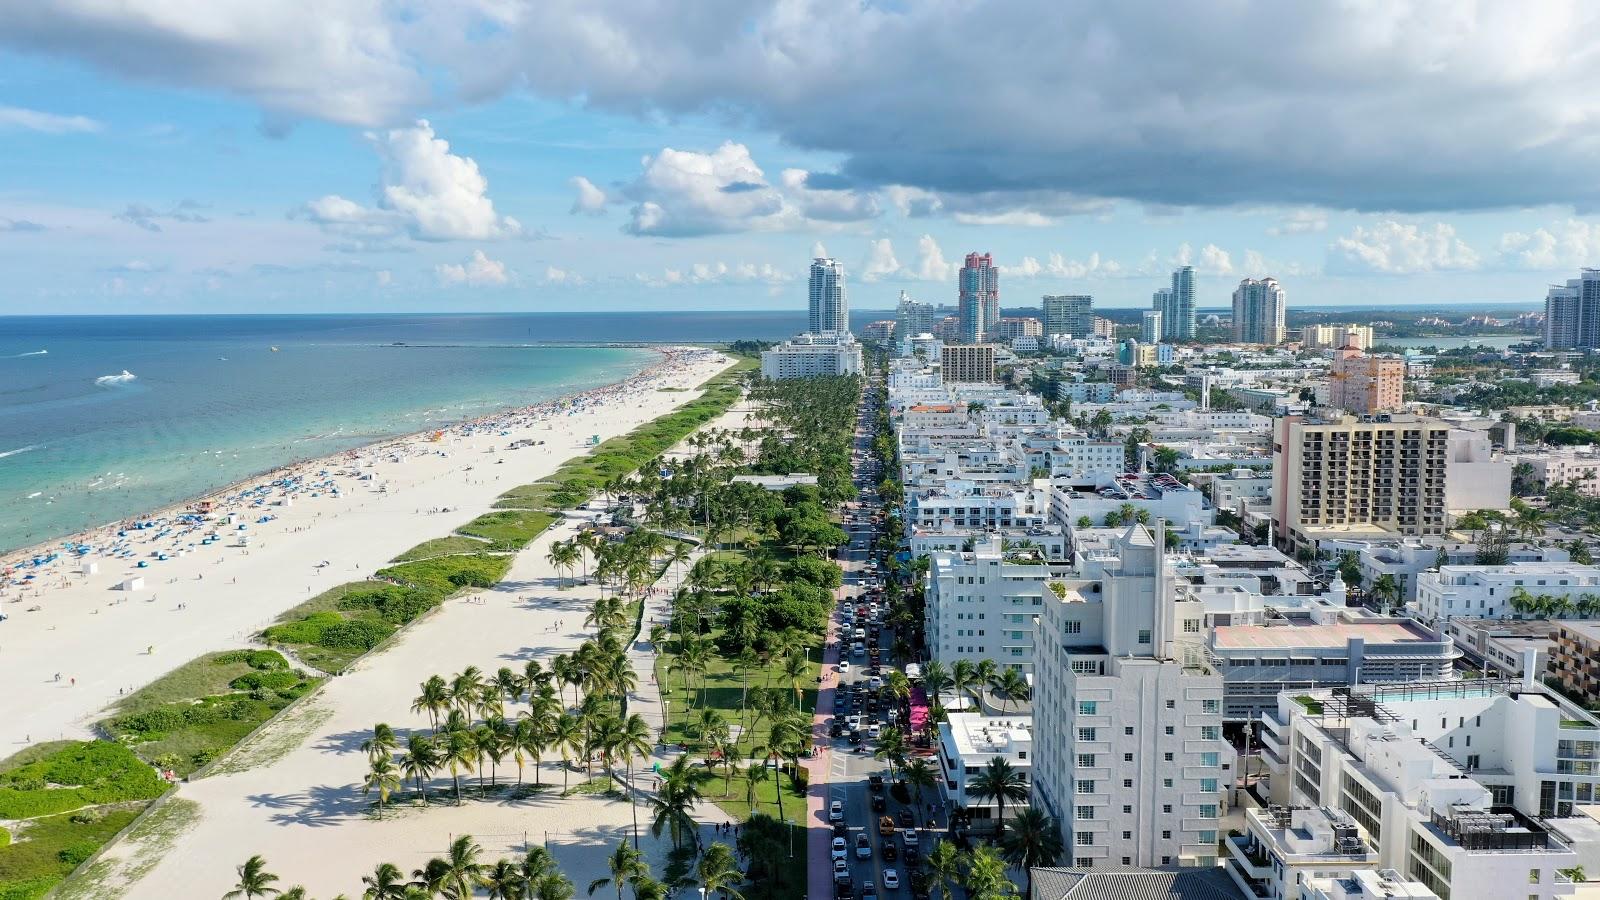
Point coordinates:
[[445, 546], [203, 708], [737, 802], [508, 529], [45, 850], [540, 495], [723, 689]]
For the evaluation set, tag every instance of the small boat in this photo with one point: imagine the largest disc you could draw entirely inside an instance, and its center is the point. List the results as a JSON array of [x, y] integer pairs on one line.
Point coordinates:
[[273, 349]]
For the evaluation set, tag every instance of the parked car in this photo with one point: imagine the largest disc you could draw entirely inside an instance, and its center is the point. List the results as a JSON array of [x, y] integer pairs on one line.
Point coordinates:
[[891, 879], [840, 850], [863, 847], [836, 811], [841, 871], [878, 804], [869, 891], [890, 854]]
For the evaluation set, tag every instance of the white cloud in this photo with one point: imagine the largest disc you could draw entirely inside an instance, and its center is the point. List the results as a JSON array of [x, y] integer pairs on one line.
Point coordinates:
[[680, 193], [1411, 105], [1300, 221], [48, 123], [716, 273], [427, 192], [1399, 248], [1560, 245], [589, 199], [1215, 261], [818, 251], [478, 271], [931, 264], [383, 278], [1058, 266], [880, 262]]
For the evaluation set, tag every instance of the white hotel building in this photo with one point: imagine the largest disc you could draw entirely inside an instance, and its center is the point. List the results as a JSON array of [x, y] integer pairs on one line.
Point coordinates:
[[1129, 752], [981, 606], [1485, 592]]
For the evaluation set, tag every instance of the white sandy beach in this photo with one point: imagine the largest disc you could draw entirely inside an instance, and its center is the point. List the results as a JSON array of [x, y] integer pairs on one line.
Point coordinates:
[[102, 641], [301, 806]]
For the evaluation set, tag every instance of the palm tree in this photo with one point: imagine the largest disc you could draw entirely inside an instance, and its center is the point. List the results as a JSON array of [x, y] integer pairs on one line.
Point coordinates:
[[647, 888], [420, 761], [510, 683], [625, 864], [755, 773], [386, 882], [892, 746], [382, 743], [999, 782], [963, 677], [460, 752], [383, 777], [936, 678], [434, 700], [466, 688], [562, 556], [536, 864], [298, 892], [1386, 590], [504, 881], [553, 886], [1012, 684], [634, 739], [718, 871], [1032, 840], [675, 801], [920, 775], [986, 877], [944, 867], [566, 737], [795, 668], [464, 867], [526, 739], [254, 880]]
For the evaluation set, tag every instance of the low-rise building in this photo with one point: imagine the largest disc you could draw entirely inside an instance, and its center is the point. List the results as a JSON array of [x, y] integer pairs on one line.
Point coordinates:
[[813, 355], [1575, 659], [1286, 847], [1501, 647], [980, 604], [1576, 466], [1528, 590], [967, 742]]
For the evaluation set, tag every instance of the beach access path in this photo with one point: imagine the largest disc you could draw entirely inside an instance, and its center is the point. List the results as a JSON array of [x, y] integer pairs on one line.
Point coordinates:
[[104, 642]]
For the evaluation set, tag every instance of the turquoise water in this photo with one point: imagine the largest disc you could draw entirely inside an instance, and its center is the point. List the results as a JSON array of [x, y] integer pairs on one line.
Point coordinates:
[[206, 401]]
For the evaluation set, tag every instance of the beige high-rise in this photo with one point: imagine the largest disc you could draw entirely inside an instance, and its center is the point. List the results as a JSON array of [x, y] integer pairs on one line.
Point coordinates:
[[1336, 337], [1364, 384], [1348, 476]]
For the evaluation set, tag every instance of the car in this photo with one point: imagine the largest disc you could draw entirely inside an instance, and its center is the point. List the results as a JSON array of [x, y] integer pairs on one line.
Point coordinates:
[[858, 649], [840, 849], [910, 837], [841, 871], [844, 667], [912, 857], [875, 682], [843, 891], [903, 818], [878, 805], [835, 730], [836, 811], [890, 854], [855, 736], [869, 891], [840, 829], [863, 847], [875, 783], [891, 879], [886, 826], [853, 721]]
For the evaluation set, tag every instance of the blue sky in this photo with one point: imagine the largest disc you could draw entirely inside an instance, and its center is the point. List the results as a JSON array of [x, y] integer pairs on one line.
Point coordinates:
[[361, 155]]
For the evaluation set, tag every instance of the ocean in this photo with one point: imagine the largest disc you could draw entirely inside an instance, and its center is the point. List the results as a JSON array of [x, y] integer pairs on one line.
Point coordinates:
[[106, 417]]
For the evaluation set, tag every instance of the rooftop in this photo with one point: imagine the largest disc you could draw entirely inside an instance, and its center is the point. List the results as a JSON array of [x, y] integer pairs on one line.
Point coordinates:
[[972, 734], [1297, 634]]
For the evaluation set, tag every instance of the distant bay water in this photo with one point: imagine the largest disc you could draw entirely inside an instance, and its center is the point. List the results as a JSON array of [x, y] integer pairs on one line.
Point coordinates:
[[105, 417]]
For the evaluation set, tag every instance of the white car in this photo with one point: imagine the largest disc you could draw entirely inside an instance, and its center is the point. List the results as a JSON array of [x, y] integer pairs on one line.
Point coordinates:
[[873, 732], [844, 666], [836, 811], [874, 682], [840, 849], [891, 878]]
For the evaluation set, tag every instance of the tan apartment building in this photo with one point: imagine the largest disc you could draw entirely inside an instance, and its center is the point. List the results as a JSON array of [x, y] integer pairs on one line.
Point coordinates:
[[967, 363], [1336, 337], [1365, 384], [1343, 476], [1575, 659]]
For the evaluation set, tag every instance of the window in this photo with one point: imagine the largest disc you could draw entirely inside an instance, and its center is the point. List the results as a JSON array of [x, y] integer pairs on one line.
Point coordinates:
[[1072, 627], [1166, 757], [1169, 730], [1084, 839], [1127, 757], [1172, 704], [1166, 860], [1208, 810], [1144, 635], [1166, 809], [1086, 734], [1210, 732], [1166, 782], [1127, 835], [1086, 707], [1127, 782], [1086, 813], [1166, 835], [1208, 785], [1208, 759], [1127, 860], [1127, 809], [1533, 876], [1191, 626], [1128, 730], [1086, 786], [1085, 760]]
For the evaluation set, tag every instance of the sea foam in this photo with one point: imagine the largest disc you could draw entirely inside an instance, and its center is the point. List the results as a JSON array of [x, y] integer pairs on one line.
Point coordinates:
[[113, 380]]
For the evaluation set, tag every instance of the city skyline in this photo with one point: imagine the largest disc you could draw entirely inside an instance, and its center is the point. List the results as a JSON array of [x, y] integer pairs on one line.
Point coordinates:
[[209, 169]]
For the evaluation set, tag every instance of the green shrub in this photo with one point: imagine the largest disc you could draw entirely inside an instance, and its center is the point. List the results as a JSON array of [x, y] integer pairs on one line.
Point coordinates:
[[508, 529], [75, 853], [84, 773], [306, 631], [355, 634]]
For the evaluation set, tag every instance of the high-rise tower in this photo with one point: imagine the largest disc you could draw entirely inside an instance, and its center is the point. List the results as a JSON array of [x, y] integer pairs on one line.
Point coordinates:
[[979, 305], [829, 310], [1258, 311]]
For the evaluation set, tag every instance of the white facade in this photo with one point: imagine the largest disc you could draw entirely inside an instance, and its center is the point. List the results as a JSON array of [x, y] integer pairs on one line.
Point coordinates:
[[967, 741], [1485, 592], [964, 505], [1579, 466], [811, 356], [1239, 487], [981, 606], [1129, 750], [1444, 780], [1475, 477], [829, 311]]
